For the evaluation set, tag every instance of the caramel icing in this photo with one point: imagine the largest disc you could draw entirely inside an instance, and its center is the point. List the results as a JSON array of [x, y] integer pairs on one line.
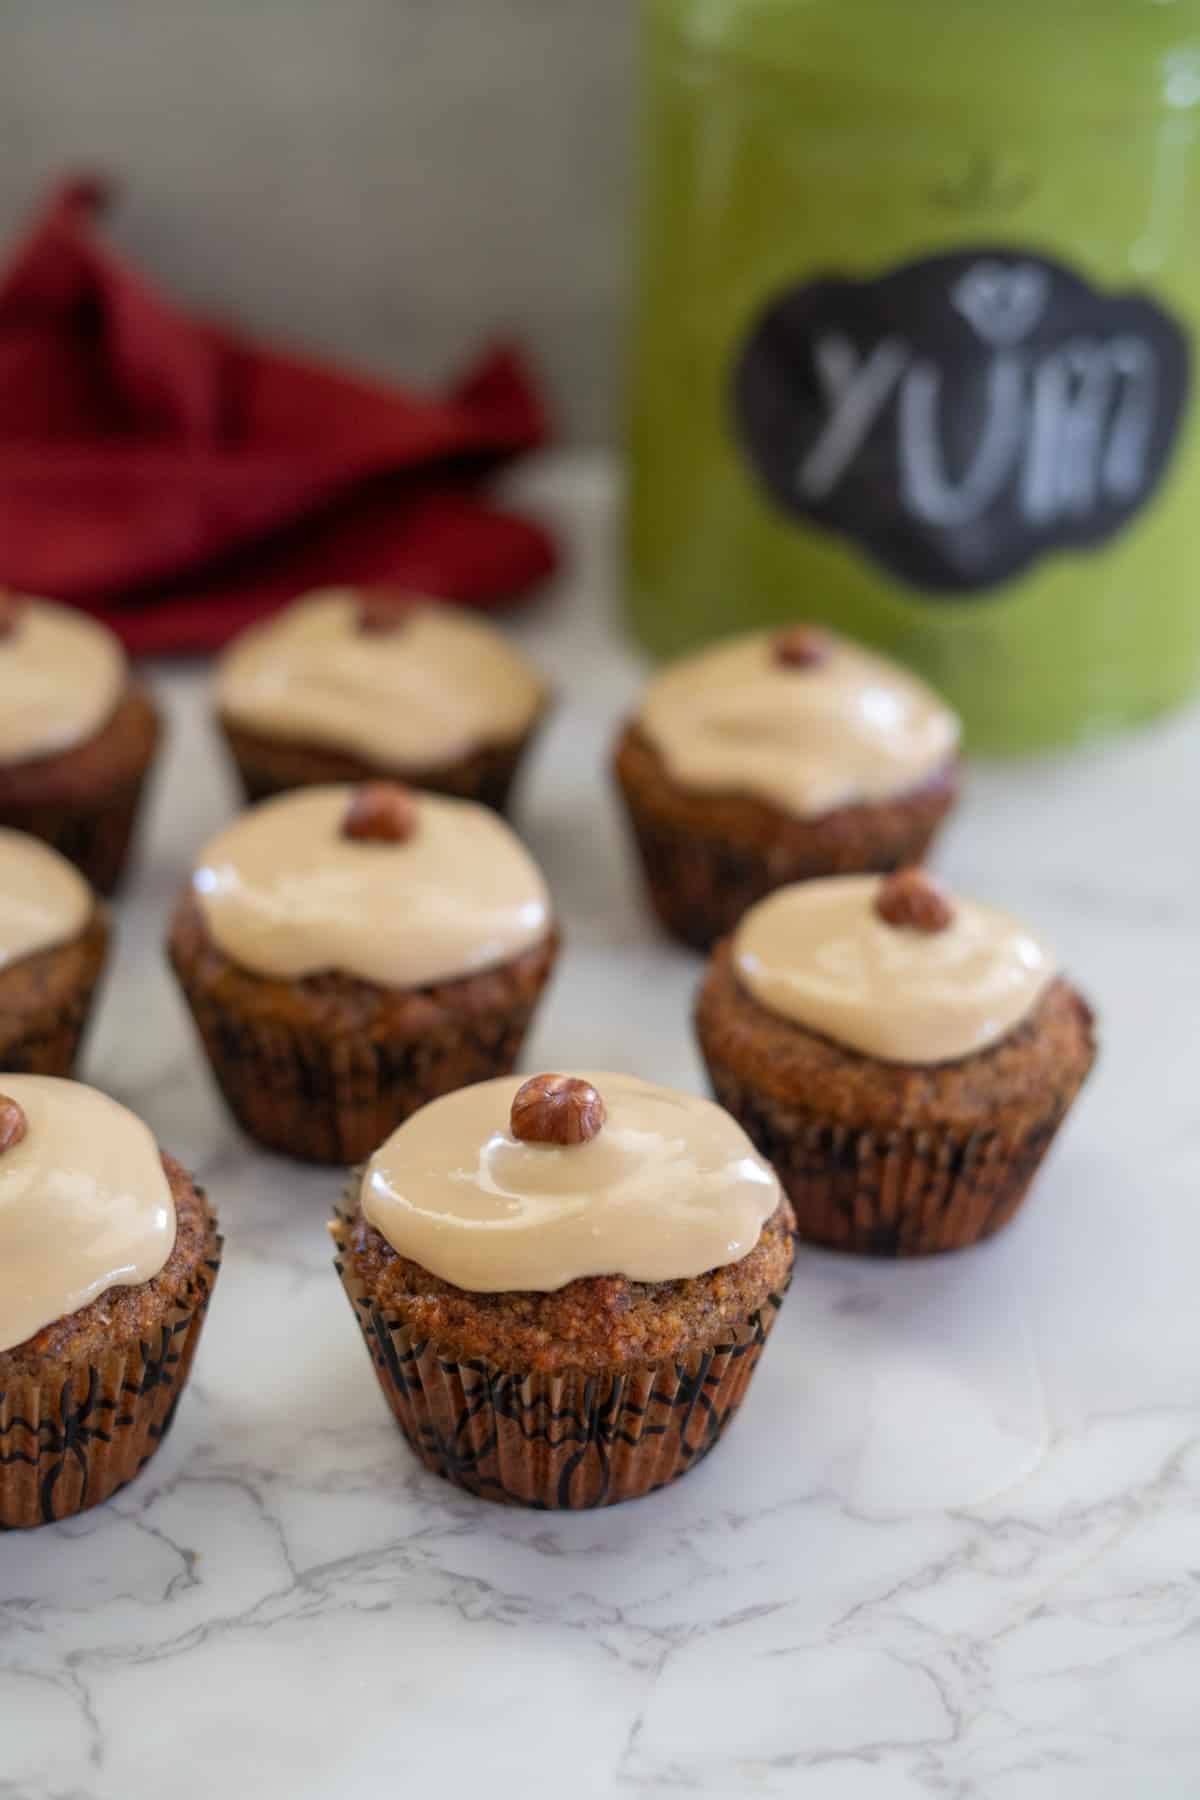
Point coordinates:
[[285, 894], [85, 1204], [44, 900], [669, 1187], [853, 727], [438, 687], [61, 678], [819, 954]]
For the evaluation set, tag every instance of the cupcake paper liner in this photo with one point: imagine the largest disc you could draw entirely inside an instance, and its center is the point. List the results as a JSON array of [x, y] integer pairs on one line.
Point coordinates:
[[48, 1040], [74, 1434], [701, 886], [264, 769], [335, 1099], [555, 1441], [95, 838], [51, 1046], [894, 1192]]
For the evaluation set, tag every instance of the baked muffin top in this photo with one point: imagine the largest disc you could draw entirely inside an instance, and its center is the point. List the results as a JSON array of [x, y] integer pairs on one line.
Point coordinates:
[[85, 1203], [527, 1185], [44, 900], [377, 881], [891, 966], [404, 684], [801, 719], [61, 678]]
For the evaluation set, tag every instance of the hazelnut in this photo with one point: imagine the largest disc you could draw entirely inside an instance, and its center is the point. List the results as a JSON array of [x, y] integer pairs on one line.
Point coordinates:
[[380, 812], [912, 899], [801, 647], [384, 610], [13, 1123], [556, 1109], [12, 606]]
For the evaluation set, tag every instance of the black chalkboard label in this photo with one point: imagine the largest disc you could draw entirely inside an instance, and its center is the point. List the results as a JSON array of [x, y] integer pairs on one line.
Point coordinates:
[[963, 415]]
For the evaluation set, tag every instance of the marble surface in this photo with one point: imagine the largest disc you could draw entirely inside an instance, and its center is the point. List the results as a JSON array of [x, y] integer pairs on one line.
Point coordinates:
[[951, 1548]]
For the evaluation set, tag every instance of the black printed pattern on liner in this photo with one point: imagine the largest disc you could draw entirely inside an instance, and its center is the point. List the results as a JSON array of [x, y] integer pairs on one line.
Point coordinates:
[[558, 1442], [93, 1432]]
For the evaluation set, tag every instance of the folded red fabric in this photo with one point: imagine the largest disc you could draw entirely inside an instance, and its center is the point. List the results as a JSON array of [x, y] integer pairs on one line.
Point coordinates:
[[178, 480]]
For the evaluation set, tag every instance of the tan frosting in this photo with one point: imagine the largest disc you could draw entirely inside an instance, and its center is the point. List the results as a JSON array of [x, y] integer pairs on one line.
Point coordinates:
[[44, 900], [61, 677], [669, 1187], [854, 727], [84, 1204], [285, 894], [437, 688], [819, 953]]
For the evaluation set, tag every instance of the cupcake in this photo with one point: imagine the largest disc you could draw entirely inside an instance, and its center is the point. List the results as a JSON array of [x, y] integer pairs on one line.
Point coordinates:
[[564, 1284], [108, 1254], [904, 1059], [776, 758], [350, 953], [77, 736], [345, 686], [53, 944]]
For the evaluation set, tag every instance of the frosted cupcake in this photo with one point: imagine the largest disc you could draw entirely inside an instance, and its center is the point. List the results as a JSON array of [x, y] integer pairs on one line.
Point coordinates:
[[108, 1255], [780, 757], [903, 1057], [53, 944], [77, 736], [349, 686], [350, 953], [565, 1283]]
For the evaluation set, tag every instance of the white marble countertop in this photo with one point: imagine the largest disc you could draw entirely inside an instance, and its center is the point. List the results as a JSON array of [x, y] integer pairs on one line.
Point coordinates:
[[951, 1547]]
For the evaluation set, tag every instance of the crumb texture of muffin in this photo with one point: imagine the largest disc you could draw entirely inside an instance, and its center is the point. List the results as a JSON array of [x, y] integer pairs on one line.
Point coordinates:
[[578, 1384], [98, 1327], [78, 739], [53, 945], [905, 1083], [764, 761], [344, 686], [340, 981]]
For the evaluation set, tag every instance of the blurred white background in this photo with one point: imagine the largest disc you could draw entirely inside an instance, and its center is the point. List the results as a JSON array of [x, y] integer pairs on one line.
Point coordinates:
[[389, 180]]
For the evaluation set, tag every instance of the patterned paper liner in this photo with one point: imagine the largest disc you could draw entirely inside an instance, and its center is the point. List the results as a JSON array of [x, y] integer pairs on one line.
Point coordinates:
[[700, 885], [71, 1436], [95, 838], [895, 1192], [49, 1039], [555, 1442], [335, 1098], [265, 768]]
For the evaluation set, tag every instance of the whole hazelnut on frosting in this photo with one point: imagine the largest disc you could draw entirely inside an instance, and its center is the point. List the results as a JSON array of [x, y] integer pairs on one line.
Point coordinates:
[[383, 610], [911, 899], [13, 1123], [556, 1109], [380, 812], [801, 647], [12, 606]]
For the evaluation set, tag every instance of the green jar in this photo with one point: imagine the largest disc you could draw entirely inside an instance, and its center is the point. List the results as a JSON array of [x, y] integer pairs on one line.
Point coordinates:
[[916, 295]]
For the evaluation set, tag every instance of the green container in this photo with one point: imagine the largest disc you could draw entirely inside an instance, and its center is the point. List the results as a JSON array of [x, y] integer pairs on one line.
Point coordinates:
[[917, 290]]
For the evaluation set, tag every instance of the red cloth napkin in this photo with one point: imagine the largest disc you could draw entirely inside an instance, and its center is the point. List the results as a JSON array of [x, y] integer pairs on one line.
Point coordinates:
[[178, 480]]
